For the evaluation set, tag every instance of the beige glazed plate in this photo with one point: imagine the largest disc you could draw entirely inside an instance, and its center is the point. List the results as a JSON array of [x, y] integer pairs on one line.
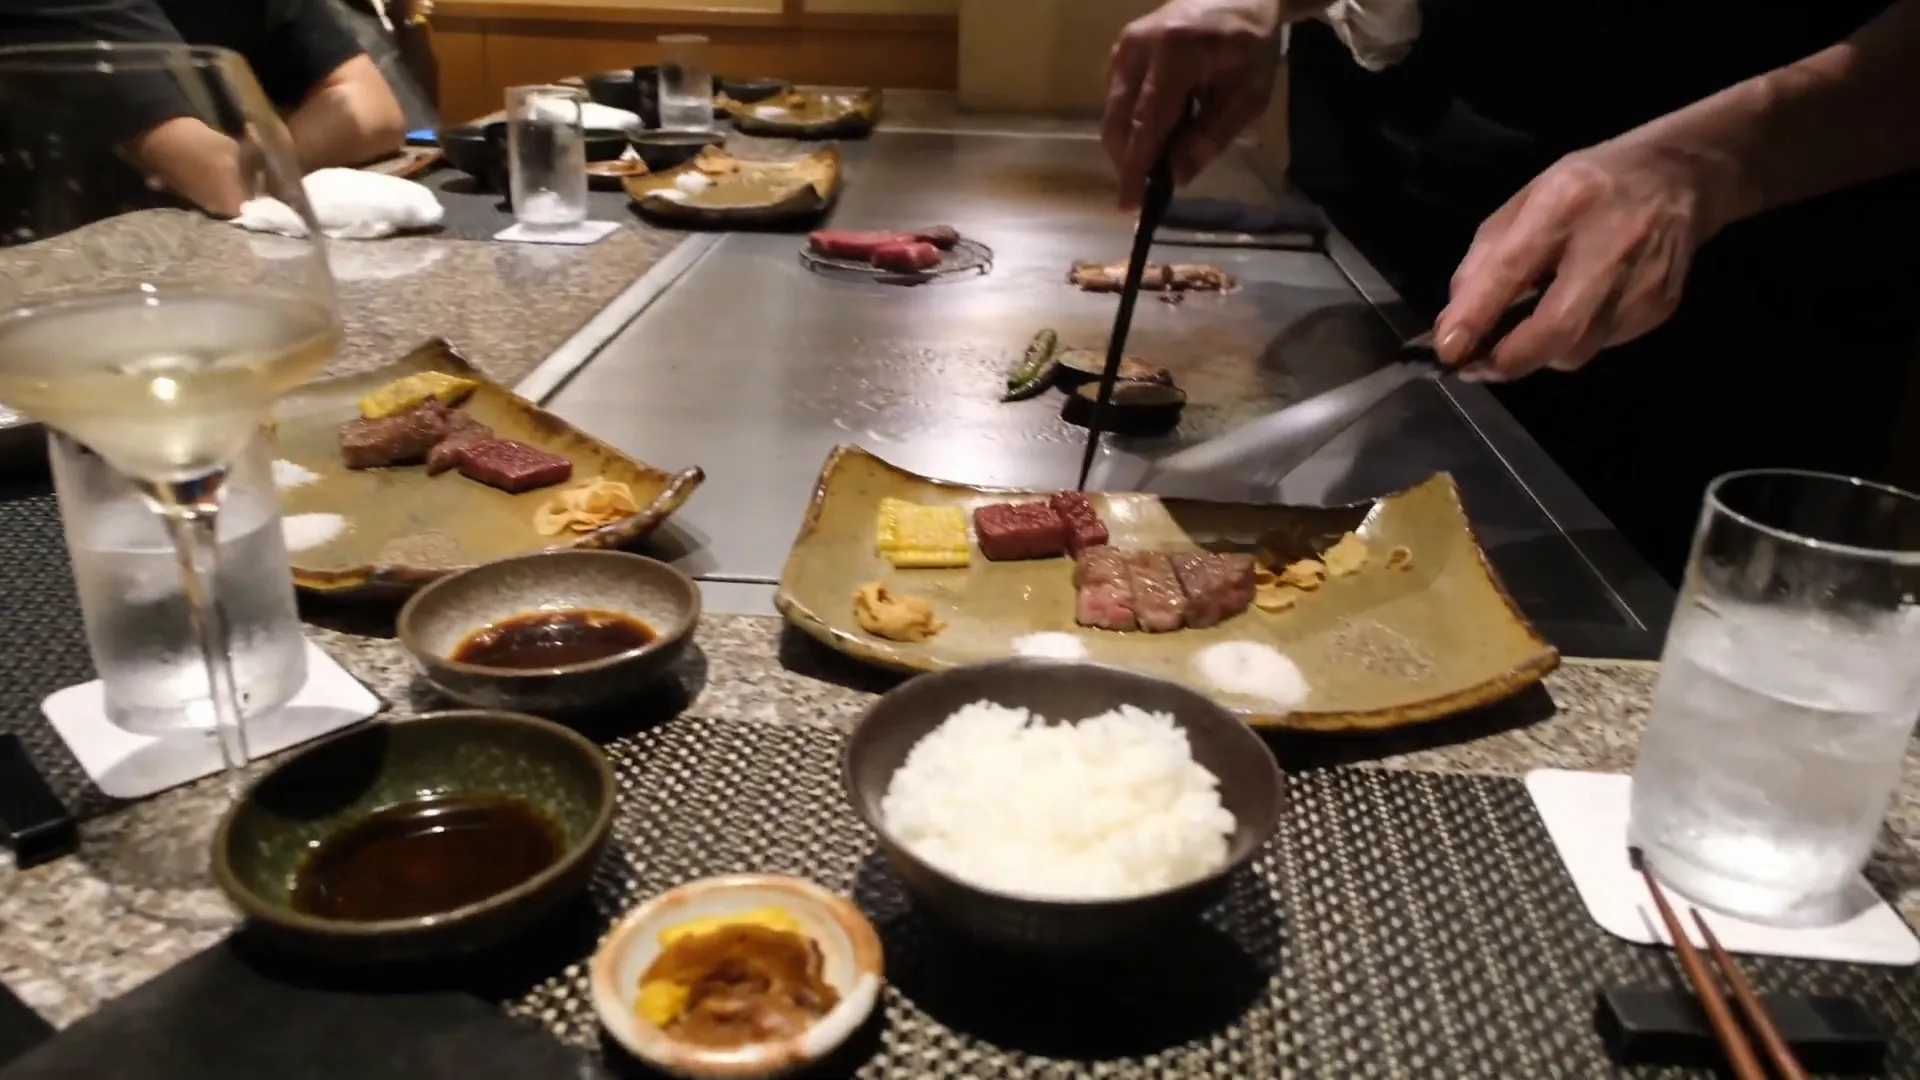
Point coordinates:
[[405, 528], [1384, 648], [740, 191], [808, 114]]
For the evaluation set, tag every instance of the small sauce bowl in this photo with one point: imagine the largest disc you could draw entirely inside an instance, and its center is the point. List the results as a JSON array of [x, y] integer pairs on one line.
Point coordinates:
[[850, 947]]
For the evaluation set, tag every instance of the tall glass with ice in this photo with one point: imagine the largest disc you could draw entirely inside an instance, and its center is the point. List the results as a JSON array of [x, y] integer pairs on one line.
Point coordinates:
[[686, 83], [547, 155], [1788, 691]]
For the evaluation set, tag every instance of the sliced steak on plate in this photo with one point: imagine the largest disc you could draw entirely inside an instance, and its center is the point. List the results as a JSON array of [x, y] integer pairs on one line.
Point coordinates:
[[1104, 589], [462, 431], [1159, 604]]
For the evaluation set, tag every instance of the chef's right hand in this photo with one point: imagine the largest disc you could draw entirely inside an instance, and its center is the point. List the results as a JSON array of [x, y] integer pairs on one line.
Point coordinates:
[[1223, 52]]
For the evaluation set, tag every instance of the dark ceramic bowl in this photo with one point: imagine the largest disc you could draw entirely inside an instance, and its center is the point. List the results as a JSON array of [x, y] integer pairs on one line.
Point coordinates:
[[605, 144], [479, 150], [614, 89], [333, 784], [663, 150], [748, 91], [1061, 690], [439, 617]]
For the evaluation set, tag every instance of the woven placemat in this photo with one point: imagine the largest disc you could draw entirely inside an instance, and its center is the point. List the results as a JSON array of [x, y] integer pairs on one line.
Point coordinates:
[[46, 643], [1405, 925]]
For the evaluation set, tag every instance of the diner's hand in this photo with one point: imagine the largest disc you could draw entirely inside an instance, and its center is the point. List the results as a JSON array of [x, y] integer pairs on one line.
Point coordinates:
[[1614, 228], [1222, 52]]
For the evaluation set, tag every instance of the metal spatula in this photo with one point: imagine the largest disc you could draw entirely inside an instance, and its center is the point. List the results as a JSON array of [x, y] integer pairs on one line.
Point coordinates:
[[1261, 454]]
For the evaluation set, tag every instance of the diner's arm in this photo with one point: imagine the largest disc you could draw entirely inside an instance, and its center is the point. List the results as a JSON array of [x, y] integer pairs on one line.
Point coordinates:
[[351, 118], [1615, 226]]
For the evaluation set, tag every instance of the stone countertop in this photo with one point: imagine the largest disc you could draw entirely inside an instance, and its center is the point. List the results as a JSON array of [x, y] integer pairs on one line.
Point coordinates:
[[66, 946]]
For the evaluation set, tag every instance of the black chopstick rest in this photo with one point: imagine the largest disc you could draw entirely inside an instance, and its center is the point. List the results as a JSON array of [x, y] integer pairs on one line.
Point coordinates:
[[36, 823], [1651, 1026]]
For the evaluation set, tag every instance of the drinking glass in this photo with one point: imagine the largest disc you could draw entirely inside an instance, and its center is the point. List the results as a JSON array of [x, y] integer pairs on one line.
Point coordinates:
[[686, 83], [547, 155], [137, 321], [1788, 689]]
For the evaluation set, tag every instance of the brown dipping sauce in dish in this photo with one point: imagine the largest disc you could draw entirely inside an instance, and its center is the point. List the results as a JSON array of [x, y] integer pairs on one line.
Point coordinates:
[[544, 639], [426, 857]]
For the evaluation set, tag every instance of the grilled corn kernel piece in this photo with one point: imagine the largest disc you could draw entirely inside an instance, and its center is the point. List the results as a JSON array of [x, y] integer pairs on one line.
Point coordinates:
[[414, 390], [910, 534]]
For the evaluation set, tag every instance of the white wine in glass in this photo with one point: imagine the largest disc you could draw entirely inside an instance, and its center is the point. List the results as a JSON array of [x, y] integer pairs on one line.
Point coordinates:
[[138, 321]]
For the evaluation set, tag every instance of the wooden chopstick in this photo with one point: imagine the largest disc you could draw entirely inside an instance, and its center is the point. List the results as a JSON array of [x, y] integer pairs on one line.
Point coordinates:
[[1726, 1028], [1776, 1047]]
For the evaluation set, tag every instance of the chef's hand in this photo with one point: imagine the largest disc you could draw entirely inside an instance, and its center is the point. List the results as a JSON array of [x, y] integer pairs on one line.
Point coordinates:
[[1224, 52], [1615, 228]]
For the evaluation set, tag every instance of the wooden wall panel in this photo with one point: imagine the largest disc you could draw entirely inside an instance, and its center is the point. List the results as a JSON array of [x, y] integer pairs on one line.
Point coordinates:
[[527, 41]]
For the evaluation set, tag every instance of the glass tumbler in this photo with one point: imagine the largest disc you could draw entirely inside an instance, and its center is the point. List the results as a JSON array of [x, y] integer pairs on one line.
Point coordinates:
[[547, 155], [686, 83], [1788, 690], [134, 606]]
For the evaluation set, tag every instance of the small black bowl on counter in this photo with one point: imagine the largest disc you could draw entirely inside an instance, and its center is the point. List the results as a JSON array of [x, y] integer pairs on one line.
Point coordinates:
[[663, 150], [480, 150], [748, 91], [614, 89], [489, 820], [646, 93], [1251, 789]]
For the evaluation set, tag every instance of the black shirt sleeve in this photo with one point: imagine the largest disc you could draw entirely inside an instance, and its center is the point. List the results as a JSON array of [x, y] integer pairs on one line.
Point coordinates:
[[301, 43], [125, 106]]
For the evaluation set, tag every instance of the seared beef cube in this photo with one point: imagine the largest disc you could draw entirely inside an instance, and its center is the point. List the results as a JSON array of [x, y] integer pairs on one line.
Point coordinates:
[[943, 237], [1019, 531], [856, 244], [1104, 589], [462, 430], [511, 466], [401, 439], [1159, 604], [1084, 527], [906, 257], [1218, 587]]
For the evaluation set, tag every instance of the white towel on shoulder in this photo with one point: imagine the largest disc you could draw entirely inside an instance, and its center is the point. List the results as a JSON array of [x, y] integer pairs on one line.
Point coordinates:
[[349, 204], [1379, 33]]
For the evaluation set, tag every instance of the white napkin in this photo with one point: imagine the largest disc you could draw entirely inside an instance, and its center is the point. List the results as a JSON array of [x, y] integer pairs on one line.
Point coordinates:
[[1379, 33], [350, 205], [593, 115]]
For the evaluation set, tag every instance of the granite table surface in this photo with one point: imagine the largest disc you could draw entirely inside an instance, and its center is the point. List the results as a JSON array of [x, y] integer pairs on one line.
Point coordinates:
[[66, 947]]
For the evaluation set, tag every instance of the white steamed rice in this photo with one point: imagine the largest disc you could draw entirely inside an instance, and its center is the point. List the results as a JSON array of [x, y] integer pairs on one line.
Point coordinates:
[[1112, 806]]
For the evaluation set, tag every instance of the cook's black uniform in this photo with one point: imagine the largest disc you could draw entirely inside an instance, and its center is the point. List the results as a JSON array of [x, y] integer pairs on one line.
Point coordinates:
[[1796, 333]]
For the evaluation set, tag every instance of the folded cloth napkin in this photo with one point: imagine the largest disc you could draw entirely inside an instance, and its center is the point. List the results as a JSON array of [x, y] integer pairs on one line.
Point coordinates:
[[349, 205], [593, 115], [1379, 33]]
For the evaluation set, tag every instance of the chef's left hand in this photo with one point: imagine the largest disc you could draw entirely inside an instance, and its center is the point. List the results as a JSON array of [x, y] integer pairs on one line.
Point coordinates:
[[1615, 228]]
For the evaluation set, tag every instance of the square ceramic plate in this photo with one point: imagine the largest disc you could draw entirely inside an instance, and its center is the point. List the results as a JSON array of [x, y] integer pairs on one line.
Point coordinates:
[[757, 193], [405, 528], [1383, 648], [809, 114]]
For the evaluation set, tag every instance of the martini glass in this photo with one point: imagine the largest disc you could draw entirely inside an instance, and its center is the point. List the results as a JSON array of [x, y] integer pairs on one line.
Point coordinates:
[[138, 321]]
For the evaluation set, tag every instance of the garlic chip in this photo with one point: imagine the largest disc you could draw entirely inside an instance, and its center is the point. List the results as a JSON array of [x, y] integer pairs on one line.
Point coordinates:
[[585, 507]]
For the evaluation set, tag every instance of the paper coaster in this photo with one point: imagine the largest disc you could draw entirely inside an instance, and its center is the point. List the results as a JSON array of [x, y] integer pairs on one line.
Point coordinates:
[[129, 765], [587, 232], [1586, 815]]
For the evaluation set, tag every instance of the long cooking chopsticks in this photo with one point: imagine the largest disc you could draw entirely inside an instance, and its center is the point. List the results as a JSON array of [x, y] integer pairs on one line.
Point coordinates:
[[1726, 1027]]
